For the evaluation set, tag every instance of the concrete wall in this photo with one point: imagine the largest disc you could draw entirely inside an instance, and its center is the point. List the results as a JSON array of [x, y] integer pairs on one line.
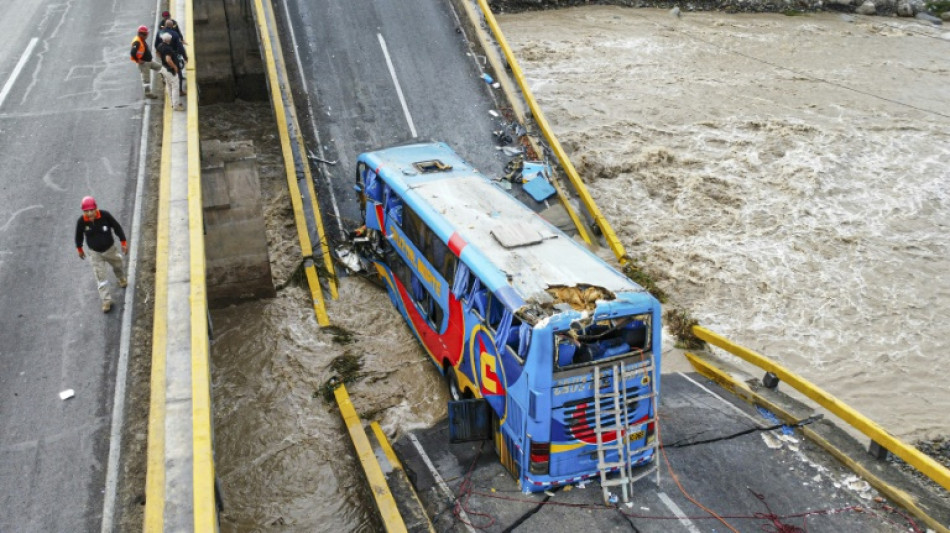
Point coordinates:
[[236, 257], [227, 49]]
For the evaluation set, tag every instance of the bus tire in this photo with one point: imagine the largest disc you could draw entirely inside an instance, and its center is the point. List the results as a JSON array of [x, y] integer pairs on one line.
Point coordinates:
[[455, 392]]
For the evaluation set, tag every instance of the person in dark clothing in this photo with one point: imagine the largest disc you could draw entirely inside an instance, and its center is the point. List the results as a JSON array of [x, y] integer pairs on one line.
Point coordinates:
[[167, 19], [96, 228], [178, 38], [171, 70], [178, 49]]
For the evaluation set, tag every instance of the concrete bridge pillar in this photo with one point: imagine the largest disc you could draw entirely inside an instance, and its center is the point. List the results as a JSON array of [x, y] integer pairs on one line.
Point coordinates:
[[237, 263], [227, 47]]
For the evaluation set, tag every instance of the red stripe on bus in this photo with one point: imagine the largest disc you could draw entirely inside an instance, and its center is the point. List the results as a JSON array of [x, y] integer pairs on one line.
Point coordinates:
[[457, 244], [380, 218]]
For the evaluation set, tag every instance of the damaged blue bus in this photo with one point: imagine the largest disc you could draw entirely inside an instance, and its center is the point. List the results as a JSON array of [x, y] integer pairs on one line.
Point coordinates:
[[560, 348]]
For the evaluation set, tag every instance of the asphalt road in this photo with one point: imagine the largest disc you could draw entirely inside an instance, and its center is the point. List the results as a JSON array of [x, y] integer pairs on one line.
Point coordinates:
[[351, 56], [71, 113]]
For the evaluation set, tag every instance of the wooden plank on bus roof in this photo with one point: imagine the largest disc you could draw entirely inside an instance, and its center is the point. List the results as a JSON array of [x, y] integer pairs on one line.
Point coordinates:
[[515, 236]]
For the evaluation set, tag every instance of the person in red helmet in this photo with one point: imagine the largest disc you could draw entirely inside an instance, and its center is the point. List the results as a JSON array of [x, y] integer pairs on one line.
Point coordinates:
[[142, 57], [96, 227]]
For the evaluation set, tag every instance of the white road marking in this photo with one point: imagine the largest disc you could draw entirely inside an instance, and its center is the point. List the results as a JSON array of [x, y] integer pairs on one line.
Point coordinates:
[[326, 173], [16, 213], [48, 179], [16, 70], [675, 509], [438, 479], [313, 124], [392, 72], [723, 400], [293, 39]]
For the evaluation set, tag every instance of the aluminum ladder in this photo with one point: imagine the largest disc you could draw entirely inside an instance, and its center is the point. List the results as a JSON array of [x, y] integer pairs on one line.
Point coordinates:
[[611, 414]]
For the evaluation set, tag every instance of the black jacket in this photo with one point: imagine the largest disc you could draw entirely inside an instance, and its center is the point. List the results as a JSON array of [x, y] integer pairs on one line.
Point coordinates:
[[98, 231], [177, 45], [164, 51]]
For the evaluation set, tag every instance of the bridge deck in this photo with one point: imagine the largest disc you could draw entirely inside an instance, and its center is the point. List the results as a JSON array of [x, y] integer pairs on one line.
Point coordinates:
[[742, 479]]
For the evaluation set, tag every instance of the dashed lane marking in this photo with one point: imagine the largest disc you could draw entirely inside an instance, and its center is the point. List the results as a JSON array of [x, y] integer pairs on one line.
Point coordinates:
[[17, 69]]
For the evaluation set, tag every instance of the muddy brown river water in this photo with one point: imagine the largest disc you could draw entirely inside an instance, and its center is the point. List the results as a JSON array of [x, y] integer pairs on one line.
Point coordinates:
[[787, 176]]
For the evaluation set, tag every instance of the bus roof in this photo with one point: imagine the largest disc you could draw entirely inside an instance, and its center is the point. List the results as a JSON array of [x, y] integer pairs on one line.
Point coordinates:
[[532, 253]]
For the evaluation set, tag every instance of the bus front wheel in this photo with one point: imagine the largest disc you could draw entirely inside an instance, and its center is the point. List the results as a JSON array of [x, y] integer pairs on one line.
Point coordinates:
[[455, 392]]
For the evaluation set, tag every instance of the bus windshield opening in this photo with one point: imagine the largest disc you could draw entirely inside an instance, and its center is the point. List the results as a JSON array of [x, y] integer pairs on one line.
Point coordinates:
[[603, 340]]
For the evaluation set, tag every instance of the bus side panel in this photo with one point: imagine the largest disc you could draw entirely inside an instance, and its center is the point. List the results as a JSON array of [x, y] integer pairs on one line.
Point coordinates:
[[389, 279], [445, 346]]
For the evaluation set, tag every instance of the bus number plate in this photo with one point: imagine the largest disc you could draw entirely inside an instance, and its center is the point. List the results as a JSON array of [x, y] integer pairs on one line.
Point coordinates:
[[635, 436]]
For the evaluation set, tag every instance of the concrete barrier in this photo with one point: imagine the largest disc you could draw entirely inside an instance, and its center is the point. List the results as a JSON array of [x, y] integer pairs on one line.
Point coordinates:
[[180, 487]]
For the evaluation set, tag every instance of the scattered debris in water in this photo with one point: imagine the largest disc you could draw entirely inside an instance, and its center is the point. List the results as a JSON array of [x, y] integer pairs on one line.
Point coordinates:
[[297, 278], [340, 336], [680, 324], [346, 369]]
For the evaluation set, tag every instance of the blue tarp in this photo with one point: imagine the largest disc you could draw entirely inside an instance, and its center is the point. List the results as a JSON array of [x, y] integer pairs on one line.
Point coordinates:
[[535, 181]]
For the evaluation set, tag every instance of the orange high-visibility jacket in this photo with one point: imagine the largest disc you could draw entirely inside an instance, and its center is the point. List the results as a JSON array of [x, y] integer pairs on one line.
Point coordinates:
[[140, 50]]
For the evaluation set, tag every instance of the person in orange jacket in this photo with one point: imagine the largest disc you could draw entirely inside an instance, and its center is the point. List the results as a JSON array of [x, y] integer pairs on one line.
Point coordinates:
[[142, 57], [96, 227]]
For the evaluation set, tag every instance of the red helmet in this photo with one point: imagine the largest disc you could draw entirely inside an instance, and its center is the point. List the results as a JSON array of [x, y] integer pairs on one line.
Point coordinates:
[[143, 29], [89, 203]]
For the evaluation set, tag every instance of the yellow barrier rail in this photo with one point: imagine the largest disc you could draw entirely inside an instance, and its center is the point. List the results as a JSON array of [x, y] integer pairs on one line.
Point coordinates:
[[155, 455], [205, 506], [385, 502], [608, 232], [308, 177], [316, 291], [914, 457]]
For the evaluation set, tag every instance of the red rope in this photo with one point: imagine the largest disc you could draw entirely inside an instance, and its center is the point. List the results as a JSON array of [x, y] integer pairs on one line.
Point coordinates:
[[465, 492]]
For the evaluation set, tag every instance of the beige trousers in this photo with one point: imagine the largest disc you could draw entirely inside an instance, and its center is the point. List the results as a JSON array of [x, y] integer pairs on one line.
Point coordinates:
[[100, 266], [171, 84], [146, 68]]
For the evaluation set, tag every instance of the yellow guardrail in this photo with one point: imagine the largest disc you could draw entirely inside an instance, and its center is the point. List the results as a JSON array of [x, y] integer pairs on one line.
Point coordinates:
[[914, 457], [612, 241], [316, 291], [308, 177], [205, 507], [385, 502], [155, 454], [742, 391]]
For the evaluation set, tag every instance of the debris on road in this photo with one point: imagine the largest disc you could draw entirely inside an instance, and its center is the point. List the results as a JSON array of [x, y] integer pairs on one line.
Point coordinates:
[[313, 157]]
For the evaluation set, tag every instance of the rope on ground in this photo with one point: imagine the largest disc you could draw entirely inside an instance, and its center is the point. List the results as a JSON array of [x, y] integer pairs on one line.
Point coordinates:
[[669, 468], [774, 523], [465, 492]]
